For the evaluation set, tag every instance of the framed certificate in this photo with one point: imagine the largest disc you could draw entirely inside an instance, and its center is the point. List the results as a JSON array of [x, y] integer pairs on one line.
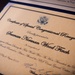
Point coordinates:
[[36, 41]]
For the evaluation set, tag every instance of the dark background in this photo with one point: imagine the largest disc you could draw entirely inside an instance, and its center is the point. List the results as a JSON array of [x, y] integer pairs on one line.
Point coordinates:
[[3, 3]]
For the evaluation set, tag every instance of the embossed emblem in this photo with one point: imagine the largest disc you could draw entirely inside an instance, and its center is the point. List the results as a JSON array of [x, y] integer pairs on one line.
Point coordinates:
[[43, 20]]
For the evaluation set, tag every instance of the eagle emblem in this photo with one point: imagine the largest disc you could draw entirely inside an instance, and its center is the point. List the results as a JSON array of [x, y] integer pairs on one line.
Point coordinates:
[[43, 20]]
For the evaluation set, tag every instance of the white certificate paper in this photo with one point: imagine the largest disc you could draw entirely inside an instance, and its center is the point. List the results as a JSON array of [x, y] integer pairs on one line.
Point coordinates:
[[36, 41]]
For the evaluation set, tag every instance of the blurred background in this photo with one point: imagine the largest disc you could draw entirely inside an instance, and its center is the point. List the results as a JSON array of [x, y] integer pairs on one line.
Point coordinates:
[[3, 4]]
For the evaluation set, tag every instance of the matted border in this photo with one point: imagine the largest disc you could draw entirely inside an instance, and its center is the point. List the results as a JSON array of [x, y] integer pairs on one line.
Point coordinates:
[[45, 7], [52, 3]]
